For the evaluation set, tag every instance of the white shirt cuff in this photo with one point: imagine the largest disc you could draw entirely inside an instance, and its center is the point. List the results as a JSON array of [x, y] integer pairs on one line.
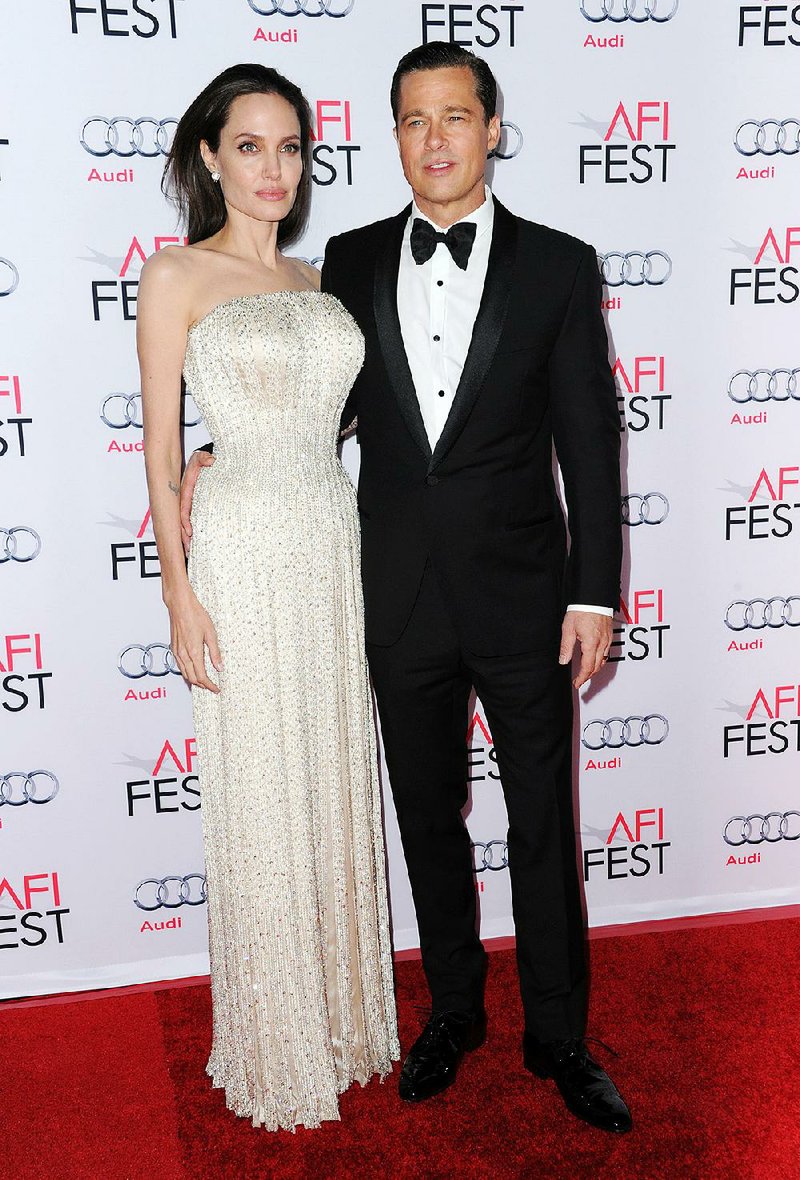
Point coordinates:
[[592, 610]]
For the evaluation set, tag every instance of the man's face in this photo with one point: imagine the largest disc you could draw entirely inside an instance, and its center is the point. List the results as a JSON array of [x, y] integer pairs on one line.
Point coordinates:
[[444, 140]]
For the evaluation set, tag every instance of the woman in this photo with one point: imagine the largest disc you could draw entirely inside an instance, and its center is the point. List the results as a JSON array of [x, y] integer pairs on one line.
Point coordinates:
[[267, 626]]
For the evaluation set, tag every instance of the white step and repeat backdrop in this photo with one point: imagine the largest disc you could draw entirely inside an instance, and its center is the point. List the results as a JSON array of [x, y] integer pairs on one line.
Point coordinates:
[[663, 131]]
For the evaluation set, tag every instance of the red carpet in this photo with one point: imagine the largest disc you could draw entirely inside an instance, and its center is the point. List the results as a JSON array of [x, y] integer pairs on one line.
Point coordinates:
[[704, 1021]]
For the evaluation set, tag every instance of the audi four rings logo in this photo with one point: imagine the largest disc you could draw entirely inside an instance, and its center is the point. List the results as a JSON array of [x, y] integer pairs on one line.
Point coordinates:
[[19, 544], [8, 281], [763, 385], [638, 11], [19, 787], [123, 136], [758, 613], [335, 8], [762, 829], [169, 893], [492, 855], [617, 732], [151, 659], [768, 137], [121, 410], [650, 508], [636, 268], [510, 143]]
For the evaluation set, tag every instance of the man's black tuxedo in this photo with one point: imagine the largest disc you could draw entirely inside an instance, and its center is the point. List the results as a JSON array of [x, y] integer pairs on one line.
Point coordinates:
[[483, 507], [466, 577]]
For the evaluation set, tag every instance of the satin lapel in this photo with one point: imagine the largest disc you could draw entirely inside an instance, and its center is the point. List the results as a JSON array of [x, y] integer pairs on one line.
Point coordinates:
[[387, 322], [486, 333]]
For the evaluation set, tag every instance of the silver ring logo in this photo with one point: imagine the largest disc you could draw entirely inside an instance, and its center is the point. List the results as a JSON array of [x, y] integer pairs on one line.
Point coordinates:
[[169, 893], [760, 829], [758, 613], [19, 787], [768, 137], [334, 8], [124, 137], [650, 508], [492, 855], [10, 282], [121, 410], [638, 11], [19, 544], [510, 143], [763, 385], [617, 732], [635, 268], [152, 659]]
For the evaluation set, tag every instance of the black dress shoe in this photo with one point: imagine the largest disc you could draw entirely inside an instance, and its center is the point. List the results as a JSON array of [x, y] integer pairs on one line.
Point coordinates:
[[585, 1086], [434, 1057]]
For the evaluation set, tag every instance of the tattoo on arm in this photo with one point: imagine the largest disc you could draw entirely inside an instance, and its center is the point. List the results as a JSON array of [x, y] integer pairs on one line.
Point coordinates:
[[174, 488]]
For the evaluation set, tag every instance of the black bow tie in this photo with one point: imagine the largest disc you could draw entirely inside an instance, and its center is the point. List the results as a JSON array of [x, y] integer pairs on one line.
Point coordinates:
[[458, 239]]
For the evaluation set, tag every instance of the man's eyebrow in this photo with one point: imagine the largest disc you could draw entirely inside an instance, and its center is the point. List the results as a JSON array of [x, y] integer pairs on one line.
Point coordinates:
[[451, 109]]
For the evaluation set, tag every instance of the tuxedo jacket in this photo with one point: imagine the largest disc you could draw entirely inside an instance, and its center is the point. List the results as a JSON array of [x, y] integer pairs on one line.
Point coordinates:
[[482, 506]]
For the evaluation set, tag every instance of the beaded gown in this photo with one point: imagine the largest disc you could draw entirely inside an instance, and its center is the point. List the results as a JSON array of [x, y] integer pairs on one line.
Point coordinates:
[[301, 970]]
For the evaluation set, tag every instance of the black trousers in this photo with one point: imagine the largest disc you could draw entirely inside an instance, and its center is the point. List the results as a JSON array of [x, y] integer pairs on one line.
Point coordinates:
[[423, 684]]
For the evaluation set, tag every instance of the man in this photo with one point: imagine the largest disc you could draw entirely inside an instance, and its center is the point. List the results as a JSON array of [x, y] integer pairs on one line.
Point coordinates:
[[485, 345]]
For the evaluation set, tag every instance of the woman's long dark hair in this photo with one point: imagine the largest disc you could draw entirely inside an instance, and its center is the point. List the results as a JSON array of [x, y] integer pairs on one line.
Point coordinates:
[[187, 182]]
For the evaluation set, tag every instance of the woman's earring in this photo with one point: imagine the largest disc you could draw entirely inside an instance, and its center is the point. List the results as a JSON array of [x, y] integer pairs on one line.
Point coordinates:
[[215, 176]]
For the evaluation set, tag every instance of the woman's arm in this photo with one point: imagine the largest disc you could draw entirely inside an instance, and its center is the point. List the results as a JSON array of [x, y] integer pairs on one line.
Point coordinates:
[[162, 323]]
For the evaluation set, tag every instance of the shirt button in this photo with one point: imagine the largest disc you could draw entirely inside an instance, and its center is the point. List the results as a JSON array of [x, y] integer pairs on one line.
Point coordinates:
[[431, 480], [440, 282], [441, 393], [437, 339]]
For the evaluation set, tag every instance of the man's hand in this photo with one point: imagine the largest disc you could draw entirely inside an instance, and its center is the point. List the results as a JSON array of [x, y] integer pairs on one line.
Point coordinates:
[[198, 460], [594, 633]]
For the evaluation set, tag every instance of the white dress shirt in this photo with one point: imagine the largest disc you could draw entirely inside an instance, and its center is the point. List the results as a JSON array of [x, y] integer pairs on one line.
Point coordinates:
[[437, 304]]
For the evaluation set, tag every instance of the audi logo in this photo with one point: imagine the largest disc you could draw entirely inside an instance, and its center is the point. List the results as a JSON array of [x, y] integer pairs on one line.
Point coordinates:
[[123, 136], [758, 613], [9, 282], [763, 385], [762, 829], [638, 11], [650, 508], [617, 732], [121, 410], [635, 269], [510, 143], [19, 787], [152, 659], [492, 855], [169, 893], [334, 8], [19, 544], [768, 137]]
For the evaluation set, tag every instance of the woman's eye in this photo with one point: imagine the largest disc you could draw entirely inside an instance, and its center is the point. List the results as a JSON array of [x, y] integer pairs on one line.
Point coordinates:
[[248, 147], [291, 147]]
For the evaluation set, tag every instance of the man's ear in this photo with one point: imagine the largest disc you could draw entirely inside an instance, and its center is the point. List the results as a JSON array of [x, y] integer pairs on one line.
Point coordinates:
[[494, 132]]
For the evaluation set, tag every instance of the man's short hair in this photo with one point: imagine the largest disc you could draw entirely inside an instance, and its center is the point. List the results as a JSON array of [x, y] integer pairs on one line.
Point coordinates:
[[440, 55]]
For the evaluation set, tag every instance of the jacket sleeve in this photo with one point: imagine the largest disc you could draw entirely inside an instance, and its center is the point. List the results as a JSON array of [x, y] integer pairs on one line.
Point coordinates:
[[586, 432]]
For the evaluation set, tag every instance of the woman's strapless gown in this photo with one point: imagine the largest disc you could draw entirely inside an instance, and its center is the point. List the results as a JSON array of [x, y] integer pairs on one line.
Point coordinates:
[[301, 966]]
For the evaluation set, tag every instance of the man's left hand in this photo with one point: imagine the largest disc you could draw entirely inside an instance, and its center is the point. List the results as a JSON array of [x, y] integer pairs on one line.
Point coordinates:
[[594, 633]]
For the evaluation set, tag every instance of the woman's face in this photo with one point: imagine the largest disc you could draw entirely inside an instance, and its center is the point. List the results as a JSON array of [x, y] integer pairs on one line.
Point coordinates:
[[259, 158]]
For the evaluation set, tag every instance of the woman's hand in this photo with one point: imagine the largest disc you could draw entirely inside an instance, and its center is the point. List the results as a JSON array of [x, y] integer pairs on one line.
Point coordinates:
[[191, 632]]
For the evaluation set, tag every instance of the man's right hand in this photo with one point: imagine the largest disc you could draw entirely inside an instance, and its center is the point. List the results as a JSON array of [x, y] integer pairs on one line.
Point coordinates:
[[198, 460]]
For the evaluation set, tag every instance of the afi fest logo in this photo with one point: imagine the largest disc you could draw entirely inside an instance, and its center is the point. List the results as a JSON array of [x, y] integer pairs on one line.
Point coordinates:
[[481, 753], [143, 19], [37, 912], [141, 553], [332, 132], [116, 298], [12, 417], [642, 635], [470, 25], [633, 847], [772, 518], [779, 731], [22, 672], [642, 156], [628, 13], [170, 786], [641, 382], [769, 26], [759, 284]]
